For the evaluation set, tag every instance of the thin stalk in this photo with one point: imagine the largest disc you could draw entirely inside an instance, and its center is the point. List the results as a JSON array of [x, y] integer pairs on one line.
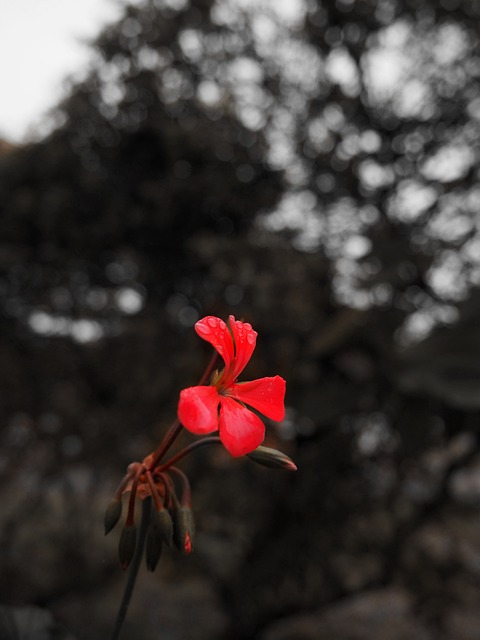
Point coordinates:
[[209, 370], [165, 445], [168, 498], [174, 431], [184, 452], [186, 500], [170, 437], [131, 499], [133, 571], [122, 485], [154, 491]]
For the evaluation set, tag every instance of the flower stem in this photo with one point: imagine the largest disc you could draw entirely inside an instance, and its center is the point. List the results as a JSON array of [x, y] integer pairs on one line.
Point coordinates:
[[170, 437], [209, 370], [131, 501], [184, 452], [186, 500], [134, 567], [174, 431]]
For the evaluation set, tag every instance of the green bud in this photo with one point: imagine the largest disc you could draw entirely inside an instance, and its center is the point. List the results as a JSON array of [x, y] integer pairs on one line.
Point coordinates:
[[272, 458], [163, 522], [127, 544], [153, 549], [183, 529], [112, 515]]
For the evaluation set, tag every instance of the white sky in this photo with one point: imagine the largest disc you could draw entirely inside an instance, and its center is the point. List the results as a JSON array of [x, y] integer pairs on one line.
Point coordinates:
[[42, 42]]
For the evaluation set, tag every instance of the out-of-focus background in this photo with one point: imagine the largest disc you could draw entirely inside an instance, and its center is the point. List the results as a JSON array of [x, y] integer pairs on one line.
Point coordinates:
[[310, 167]]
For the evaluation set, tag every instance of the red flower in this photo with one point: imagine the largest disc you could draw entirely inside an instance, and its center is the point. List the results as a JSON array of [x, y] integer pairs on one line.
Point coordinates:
[[220, 405]]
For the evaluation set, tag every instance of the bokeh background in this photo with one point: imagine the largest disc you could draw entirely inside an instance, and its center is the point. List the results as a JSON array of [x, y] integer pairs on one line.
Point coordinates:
[[310, 167]]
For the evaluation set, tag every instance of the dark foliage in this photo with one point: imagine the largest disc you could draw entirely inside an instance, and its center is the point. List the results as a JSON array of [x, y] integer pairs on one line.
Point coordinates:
[[313, 171]]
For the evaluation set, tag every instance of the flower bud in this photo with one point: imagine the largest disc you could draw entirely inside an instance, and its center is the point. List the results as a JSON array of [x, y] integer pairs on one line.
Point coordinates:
[[272, 458], [127, 544], [163, 522], [112, 515], [183, 529], [154, 544]]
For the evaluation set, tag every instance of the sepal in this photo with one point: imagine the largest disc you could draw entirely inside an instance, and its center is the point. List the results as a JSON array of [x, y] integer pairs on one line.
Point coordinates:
[[127, 545], [272, 458], [183, 529], [112, 515], [154, 543]]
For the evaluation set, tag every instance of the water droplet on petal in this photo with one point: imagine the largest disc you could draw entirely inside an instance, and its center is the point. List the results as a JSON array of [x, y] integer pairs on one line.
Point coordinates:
[[213, 322], [203, 329], [250, 338]]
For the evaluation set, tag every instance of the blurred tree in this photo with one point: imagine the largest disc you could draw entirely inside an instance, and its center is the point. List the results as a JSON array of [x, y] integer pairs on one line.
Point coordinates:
[[311, 167]]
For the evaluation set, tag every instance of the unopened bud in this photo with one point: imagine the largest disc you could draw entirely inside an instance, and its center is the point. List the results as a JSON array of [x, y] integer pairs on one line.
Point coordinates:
[[112, 515], [164, 524], [127, 544], [183, 529], [153, 549], [272, 458]]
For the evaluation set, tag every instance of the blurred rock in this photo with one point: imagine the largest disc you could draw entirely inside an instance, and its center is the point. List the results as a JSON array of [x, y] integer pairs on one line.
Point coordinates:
[[379, 615], [463, 623], [171, 608], [30, 623]]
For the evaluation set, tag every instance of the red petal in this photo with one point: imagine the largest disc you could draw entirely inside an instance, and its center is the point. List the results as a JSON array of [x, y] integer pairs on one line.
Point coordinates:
[[241, 431], [266, 395], [245, 339], [215, 331], [198, 409]]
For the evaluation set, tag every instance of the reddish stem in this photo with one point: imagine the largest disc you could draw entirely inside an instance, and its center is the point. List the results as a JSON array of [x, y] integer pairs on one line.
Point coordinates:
[[167, 500], [169, 438], [131, 501], [154, 491], [174, 431], [191, 447], [122, 485], [186, 500], [173, 496], [209, 370]]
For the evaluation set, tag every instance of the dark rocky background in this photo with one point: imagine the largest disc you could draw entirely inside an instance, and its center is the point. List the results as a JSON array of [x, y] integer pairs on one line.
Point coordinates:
[[313, 170]]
